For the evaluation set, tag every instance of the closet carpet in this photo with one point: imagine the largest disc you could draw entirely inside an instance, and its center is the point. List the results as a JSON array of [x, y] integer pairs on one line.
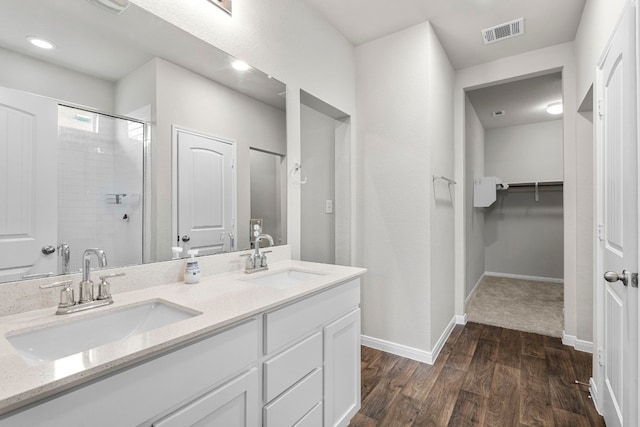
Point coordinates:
[[523, 305]]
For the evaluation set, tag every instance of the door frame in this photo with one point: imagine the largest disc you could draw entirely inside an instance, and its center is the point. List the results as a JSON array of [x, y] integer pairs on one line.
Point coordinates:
[[175, 129]]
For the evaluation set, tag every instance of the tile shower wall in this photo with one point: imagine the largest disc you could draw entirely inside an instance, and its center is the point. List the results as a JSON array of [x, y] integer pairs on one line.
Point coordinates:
[[97, 163]]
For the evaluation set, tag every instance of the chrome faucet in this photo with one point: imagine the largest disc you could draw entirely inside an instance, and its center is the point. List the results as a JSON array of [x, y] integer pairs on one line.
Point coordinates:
[[86, 298], [64, 251], [86, 286], [258, 261]]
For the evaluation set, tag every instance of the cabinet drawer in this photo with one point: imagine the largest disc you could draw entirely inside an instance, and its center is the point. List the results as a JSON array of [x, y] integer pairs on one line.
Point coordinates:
[[294, 404], [312, 419], [291, 323], [290, 366]]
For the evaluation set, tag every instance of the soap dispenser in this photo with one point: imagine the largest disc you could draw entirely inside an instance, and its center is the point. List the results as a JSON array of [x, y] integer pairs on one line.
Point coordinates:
[[192, 270]]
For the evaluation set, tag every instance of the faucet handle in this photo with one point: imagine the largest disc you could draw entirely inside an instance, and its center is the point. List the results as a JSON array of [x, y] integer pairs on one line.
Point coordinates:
[[104, 288], [67, 298]]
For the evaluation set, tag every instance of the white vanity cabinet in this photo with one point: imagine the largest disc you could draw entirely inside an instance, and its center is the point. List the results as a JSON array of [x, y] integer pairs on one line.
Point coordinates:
[[213, 379], [295, 365], [311, 376]]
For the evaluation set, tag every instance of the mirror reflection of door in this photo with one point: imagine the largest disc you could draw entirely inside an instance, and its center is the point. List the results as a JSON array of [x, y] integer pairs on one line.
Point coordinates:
[[28, 181], [206, 196], [267, 193]]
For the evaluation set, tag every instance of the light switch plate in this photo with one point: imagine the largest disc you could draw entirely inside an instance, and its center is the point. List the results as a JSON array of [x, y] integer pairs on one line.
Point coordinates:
[[328, 208]]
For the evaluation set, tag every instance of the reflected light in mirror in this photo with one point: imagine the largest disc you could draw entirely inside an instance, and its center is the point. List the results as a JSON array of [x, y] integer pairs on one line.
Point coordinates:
[[41, 43], [240, 65]]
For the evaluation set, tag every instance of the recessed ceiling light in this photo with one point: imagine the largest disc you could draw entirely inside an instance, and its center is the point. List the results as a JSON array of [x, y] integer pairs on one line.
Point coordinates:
[[41, 43], [240, 65], [555, 108]]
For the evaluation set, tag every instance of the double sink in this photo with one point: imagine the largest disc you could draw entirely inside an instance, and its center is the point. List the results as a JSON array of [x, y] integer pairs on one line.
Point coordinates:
[[64, 338]]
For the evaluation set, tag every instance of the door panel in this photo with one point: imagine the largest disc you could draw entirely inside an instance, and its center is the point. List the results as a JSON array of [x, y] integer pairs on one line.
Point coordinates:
[[618, 212], [206, 199], [28, 184]]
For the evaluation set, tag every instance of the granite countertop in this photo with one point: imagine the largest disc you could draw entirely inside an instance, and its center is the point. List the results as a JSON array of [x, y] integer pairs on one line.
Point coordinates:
[[223, 299]]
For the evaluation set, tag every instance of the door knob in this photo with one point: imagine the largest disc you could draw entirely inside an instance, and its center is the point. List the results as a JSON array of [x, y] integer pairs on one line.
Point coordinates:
[[625, 277], [48, 249], [186, 238]]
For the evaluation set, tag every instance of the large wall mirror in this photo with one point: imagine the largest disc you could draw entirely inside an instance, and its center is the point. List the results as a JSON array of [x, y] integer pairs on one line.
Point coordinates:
[[130, 135]]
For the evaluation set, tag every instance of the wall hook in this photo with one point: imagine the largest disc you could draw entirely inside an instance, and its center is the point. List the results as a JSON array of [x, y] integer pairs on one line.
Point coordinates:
[[297, 170]]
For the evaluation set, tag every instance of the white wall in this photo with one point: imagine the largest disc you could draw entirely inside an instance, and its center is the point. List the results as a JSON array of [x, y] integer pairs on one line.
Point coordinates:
[[586, 224], [290, 41], [439, 120], [522, 236], [525, 237], [525, 153], [474, 217], [559, 57], [392, 112], [599, 18], [318, 166], [190, 101], [266, 185], [404, 83], [42, 78]]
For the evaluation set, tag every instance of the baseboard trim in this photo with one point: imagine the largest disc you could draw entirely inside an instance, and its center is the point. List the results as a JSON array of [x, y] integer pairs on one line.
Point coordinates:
[[593, 389], [521, 276], [461, 319], [397, 349], [580, 345], [475, 288], [410, 352]]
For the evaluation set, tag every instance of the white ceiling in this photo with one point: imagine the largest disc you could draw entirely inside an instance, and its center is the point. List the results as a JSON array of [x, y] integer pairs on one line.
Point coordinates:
[[523, 101], [458, 23], [108, 46]]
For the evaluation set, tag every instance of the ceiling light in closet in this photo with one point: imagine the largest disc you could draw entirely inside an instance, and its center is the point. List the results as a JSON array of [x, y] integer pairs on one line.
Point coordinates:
[[555, 108], [41, 43]]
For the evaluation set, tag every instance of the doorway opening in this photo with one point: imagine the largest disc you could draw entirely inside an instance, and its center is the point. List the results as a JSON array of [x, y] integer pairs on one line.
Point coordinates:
[[514, 205], [324, 175]]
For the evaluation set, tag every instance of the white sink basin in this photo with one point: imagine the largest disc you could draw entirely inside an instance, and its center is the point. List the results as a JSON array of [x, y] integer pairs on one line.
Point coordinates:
[[285, 278], [64, 339]]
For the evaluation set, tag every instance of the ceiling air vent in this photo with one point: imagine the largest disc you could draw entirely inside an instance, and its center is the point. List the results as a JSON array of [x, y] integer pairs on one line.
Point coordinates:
[[503, 31], [113, 6]]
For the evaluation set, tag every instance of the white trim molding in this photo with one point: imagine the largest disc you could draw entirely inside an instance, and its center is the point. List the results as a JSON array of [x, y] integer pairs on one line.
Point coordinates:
[[475, 288], [410, 352], [580, 345], [593, 389], [523, 277]]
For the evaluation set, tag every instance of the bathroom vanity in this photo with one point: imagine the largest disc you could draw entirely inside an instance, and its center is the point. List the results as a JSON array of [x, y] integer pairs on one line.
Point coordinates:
[[276, 348]]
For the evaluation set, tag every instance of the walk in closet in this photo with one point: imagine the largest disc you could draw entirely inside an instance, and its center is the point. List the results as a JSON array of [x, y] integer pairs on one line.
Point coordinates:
[[514, 203]]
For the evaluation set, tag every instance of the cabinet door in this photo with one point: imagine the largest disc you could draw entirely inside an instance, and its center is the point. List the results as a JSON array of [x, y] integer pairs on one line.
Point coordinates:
[[231, 405], [342, 369]]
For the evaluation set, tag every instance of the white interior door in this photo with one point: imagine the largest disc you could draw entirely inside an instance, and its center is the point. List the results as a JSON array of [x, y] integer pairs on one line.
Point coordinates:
[[28, 184], [618, 219], [206, 194]]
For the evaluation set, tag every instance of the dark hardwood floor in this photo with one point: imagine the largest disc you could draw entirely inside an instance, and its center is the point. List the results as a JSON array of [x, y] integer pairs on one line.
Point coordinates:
[[484, 376]]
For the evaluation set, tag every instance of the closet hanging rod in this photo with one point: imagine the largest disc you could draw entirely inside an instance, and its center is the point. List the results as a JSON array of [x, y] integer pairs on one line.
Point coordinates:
[[449, 180], [536, 184]]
